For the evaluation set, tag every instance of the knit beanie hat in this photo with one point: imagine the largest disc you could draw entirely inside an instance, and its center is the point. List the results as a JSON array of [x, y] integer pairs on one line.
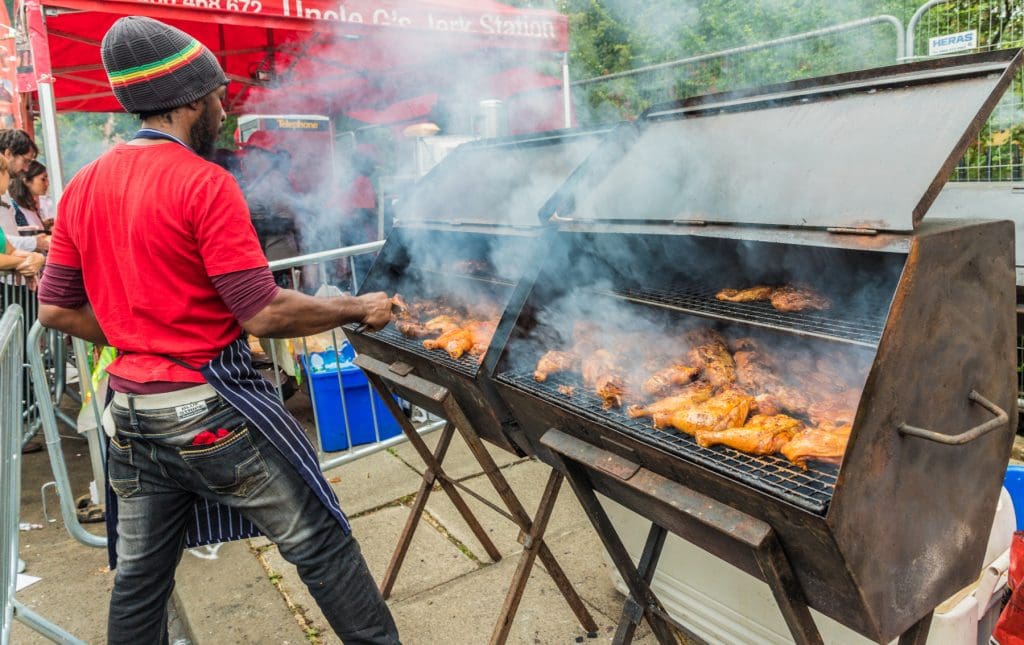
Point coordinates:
[[154, 67]]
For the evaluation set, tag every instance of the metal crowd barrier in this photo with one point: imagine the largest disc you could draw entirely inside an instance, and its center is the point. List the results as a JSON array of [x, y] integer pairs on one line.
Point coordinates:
[[14, 291], [54, 448], [12, 346], [313, 272]]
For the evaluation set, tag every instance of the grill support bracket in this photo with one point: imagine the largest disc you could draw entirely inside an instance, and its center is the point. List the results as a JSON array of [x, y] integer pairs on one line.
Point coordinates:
[[531, 530], [584, 466]]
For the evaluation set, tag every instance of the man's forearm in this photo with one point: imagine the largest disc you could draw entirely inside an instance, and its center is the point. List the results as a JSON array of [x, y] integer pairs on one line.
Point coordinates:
[[292, 314], [80, 322]]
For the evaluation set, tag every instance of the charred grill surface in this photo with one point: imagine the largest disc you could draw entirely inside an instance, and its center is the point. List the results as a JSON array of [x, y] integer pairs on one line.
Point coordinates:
[[838, 325], [810, 490]]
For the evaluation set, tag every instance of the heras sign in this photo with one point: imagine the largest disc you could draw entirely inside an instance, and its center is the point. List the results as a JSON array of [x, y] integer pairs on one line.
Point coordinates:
[[949, 43]]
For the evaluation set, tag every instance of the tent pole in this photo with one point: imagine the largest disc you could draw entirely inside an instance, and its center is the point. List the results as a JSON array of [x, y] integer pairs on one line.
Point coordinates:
[[48, 117], [566, 90]]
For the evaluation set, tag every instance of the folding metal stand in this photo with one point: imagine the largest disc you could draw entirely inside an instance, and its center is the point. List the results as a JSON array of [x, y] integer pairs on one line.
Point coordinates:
[[438, 400], [749, 542]]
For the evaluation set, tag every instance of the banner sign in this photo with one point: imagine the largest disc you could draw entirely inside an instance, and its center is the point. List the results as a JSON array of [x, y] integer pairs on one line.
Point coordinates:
[[949, 43], [549, 27]]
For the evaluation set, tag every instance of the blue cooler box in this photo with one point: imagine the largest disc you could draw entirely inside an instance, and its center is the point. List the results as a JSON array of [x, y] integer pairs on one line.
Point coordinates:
[[329, 411], [1014, 484]]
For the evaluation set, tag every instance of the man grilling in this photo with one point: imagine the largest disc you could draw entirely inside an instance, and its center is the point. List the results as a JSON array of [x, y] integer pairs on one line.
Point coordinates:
[[154, 254]]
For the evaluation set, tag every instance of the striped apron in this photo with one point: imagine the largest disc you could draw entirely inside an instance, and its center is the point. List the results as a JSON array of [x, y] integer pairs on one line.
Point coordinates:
[[233, 376]]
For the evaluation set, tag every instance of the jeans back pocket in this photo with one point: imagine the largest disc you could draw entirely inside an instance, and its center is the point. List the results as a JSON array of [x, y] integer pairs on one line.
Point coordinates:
[[121, 470], [231, 466]]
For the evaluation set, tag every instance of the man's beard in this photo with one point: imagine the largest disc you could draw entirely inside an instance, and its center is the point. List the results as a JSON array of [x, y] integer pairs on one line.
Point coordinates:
[[204, 132]]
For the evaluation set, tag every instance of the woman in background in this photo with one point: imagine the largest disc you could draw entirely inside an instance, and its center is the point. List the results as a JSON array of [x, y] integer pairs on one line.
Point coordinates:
[[24, 263], [32, 207]]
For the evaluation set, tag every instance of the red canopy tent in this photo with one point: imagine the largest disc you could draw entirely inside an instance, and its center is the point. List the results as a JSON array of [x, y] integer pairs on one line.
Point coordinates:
[[370, 59]]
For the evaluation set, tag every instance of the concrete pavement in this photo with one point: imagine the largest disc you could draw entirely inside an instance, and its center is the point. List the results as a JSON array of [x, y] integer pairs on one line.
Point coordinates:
[[448, 590]]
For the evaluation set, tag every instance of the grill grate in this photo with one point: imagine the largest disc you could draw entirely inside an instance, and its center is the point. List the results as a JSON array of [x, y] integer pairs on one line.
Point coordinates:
[[466, 365], [809, 489], [835, 325]]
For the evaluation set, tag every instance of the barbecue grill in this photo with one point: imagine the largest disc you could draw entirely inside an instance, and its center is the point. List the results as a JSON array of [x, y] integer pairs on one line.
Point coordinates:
[[824, 183], [468, 232]]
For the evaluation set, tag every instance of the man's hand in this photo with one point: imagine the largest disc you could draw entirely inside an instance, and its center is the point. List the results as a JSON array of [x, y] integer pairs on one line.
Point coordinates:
[[376, 309], [42, 242]]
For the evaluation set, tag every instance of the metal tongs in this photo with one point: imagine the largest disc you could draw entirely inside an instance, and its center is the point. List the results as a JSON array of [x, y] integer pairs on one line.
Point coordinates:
[[397, 307]]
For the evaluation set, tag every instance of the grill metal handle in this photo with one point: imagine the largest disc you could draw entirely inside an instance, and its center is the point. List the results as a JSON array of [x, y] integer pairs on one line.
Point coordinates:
[[968, 435]]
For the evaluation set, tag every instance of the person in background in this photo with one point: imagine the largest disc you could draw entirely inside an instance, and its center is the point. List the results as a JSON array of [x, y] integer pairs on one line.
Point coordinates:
[[154, 254], [28, 193], [18, 149], [25, 263]]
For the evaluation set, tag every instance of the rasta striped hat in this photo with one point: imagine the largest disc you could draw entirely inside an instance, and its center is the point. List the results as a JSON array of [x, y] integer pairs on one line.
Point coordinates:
[[154, 67]]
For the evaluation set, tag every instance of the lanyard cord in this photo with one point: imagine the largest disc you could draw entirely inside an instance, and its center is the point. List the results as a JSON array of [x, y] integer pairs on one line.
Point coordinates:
[[150, 133]]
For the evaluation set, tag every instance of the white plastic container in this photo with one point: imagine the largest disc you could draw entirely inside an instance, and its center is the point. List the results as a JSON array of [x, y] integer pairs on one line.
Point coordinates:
[[722, 604]]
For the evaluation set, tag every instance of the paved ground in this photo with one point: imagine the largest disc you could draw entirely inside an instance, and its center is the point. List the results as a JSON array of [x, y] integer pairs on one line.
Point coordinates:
[[244, 592]]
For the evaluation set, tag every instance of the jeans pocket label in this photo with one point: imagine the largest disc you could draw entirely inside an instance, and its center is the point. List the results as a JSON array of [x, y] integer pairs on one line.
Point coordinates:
[[190, 410]]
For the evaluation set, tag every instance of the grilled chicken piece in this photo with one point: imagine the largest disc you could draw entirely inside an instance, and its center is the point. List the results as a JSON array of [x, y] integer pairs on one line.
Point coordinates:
[[413, 329], [664, 380], [687, 397], [567, 390], [773, 397], [709, 353], [554, 362], [611, 388], [798, 298], [727, 409], [760, 435], [754, 373], [456, 342], [601, 373], [443, 324], [753, 294], [482, 332], [744, 344], [824, 443], [836, 410]]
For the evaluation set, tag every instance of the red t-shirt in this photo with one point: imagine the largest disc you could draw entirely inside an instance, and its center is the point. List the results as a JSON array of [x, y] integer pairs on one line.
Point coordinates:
[[148, 225]]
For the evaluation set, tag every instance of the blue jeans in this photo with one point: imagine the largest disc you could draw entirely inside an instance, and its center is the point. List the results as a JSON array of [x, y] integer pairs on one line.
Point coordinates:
[[157, 475]]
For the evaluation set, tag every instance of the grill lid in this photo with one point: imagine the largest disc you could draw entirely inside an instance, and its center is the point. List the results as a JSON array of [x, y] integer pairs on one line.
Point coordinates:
[[865, 150], [502, 182]]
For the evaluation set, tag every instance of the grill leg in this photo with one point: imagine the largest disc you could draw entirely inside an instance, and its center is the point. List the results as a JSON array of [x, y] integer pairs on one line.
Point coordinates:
[[639, 590], [533, 529], [788, 594], [420, 503], [534, 546], [631, 614], [918, 634], [433, 472]]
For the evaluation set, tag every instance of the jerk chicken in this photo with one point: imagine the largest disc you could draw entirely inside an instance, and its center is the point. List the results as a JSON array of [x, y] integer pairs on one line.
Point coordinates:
[[723, 392], [786, 298], [456, 330]]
